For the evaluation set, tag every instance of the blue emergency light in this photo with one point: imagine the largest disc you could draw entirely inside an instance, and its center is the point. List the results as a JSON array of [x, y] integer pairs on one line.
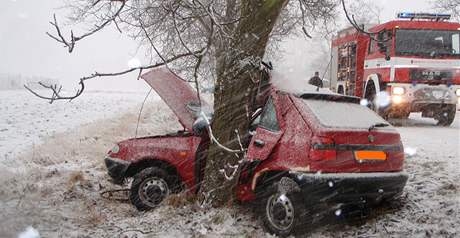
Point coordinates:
[[431, 16]]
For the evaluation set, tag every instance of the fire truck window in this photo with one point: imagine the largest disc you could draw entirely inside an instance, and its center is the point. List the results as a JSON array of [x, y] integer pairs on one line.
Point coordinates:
[[268, 118], [372, 46], [427, 42]]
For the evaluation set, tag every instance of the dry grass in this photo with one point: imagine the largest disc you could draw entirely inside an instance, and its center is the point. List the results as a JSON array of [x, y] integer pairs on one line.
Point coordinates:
[[75, 178], [180, 199]]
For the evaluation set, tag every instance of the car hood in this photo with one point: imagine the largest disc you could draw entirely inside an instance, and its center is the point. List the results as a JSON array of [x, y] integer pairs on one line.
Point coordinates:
[[177, 94]]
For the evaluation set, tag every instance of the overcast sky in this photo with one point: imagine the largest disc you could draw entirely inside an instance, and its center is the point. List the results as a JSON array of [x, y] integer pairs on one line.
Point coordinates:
[[26, 50]]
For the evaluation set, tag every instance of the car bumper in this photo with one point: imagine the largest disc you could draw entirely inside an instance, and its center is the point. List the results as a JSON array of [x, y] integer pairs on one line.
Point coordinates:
[[351, 188], [116, 169]]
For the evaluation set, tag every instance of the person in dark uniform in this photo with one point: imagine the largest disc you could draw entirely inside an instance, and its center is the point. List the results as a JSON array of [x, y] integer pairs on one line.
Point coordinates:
[[316, 80]]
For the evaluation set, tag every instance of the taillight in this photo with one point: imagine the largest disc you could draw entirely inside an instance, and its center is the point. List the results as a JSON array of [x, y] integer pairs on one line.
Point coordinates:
[[323, 148]]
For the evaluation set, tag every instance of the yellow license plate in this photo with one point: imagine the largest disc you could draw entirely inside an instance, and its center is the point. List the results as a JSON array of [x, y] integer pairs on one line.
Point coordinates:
[[370, 155]]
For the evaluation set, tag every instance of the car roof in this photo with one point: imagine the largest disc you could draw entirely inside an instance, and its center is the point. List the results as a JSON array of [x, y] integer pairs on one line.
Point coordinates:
[[333, 97]]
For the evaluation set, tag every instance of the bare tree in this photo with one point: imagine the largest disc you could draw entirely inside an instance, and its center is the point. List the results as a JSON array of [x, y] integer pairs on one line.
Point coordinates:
[[225, 40], [450, 6]]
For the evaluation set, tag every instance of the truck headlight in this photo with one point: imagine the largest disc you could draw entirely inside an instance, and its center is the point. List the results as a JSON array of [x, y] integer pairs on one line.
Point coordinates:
[[397, 99], [398, 90], [457, 92]]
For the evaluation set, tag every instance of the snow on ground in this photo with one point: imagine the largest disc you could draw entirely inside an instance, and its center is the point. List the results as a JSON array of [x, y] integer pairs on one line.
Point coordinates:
[[26, 120], [59, 193]]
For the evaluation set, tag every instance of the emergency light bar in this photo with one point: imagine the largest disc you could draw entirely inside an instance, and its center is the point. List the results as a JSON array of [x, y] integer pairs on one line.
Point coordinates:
[[432, 16]]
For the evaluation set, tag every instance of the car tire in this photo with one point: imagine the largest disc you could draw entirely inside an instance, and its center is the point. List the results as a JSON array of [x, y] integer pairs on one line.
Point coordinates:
[[150, 187], [447, 116], [282, 214]]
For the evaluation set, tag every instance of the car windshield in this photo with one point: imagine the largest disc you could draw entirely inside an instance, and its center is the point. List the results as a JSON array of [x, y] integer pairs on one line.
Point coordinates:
[[343, 114], [429, 43]]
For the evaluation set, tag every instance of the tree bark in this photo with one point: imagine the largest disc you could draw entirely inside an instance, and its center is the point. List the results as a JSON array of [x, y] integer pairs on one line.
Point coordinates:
[[238, 70]]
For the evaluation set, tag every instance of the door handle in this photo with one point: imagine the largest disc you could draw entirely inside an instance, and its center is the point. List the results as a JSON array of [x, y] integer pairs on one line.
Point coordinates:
[[259, 143]]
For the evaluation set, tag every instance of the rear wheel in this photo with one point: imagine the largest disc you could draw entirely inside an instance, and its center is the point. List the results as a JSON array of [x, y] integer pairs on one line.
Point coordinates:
[[150, 187], [446, 116], [282, 213], [340, 90]]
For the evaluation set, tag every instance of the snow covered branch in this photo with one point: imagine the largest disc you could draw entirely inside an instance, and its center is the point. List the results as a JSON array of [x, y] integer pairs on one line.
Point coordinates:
[[70, 44], [56, 90]]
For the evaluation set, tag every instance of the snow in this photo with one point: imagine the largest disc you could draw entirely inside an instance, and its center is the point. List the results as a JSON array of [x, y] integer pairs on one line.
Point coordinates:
[[58, 191], [382, 99], [343, 115], [26, 120], [134, 63], [30, 232]]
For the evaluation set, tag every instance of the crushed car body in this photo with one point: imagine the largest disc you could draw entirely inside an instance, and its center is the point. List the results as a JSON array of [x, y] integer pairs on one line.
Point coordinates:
[[304, 150]]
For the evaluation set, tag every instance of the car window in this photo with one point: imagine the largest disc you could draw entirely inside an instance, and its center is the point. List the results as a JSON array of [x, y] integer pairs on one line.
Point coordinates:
[[342, 114], [268, 118]]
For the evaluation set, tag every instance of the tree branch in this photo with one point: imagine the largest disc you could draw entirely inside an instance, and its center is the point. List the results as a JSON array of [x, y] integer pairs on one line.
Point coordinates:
[[70, 44], [56, 91]]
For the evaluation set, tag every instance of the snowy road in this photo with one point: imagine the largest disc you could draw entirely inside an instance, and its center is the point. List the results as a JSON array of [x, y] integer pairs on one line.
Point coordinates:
[[63, 146]]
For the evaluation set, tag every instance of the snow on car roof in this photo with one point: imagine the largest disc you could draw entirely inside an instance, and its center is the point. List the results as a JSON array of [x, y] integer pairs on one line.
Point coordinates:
[[342, 114]]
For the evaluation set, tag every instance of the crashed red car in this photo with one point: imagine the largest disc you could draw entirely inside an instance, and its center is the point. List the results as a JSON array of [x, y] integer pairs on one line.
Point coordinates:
[[304, 151]]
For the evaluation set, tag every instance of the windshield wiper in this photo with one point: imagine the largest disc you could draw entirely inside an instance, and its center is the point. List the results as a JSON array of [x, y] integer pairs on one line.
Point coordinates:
[[378, 125]]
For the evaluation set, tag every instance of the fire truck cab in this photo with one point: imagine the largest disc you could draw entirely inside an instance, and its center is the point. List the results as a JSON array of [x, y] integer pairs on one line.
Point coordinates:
[[407, 65]]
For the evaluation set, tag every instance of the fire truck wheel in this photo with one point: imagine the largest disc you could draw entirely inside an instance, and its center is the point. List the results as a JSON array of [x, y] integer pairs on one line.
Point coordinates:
[[149, 188], [400, 115], [370, 96], [447, 116], [282, 214]]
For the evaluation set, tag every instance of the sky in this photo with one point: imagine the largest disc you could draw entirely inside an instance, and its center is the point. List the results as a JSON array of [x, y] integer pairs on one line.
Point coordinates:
[[25, 49]]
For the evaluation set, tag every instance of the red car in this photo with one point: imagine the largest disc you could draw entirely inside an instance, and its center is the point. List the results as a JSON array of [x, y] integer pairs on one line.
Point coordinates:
[[304, 151]]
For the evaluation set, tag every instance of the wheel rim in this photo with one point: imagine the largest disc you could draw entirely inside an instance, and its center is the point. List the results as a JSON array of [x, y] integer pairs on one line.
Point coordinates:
[[280, 211], [152, 191]]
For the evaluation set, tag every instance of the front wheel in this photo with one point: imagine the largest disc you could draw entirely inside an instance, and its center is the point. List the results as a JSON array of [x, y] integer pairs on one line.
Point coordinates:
[[447, 116], [281, 212], [149, 188]]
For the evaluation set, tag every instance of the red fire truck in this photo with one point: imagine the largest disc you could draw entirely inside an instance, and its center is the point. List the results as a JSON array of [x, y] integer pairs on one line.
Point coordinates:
[[407, 65]]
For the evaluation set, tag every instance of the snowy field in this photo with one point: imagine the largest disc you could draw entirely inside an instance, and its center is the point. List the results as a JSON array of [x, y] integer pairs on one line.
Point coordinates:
[[26, 120], [53, 175]]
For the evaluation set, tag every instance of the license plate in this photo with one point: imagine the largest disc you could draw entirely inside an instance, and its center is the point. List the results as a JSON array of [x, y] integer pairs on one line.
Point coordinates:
[[364, 155], [438, 94]]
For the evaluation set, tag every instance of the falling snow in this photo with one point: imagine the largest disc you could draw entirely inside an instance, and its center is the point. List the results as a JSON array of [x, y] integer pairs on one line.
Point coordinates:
[[382, 99]]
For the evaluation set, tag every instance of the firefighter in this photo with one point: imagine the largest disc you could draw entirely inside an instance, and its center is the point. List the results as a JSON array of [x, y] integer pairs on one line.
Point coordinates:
[[316, 80]]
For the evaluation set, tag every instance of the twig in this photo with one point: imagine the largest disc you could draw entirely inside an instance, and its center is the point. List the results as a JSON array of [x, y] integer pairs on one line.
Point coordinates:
[[140, 111], [353, 22], [56, 91], [70, 44]]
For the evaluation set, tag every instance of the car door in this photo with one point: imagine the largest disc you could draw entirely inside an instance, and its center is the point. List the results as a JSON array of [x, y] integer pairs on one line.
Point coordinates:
[[266, 135]]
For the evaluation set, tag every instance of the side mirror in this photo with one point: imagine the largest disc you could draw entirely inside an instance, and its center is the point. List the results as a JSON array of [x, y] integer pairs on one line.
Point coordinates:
[[384, 42], [382, 47]]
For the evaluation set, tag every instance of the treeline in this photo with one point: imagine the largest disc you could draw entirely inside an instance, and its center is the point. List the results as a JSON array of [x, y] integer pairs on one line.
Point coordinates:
[[17, 81]]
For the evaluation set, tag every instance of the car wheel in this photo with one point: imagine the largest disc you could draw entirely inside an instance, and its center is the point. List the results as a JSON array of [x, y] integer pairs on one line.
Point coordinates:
[[149, 188], [447, 116], [281, 212]]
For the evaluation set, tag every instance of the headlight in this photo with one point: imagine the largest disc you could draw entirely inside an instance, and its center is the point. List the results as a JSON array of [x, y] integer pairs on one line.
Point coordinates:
[[397, 99], [398, 90], [115, 149], [457, 92]]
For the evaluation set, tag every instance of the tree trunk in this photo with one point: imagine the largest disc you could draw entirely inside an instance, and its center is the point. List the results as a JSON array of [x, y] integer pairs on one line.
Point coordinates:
[[238, 69]]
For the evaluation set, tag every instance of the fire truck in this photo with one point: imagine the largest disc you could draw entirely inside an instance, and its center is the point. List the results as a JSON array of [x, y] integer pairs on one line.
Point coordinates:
[[411, 64]]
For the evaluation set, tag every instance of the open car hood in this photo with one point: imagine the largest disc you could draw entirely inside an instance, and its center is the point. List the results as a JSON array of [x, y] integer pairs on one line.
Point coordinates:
[[177, 94]]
